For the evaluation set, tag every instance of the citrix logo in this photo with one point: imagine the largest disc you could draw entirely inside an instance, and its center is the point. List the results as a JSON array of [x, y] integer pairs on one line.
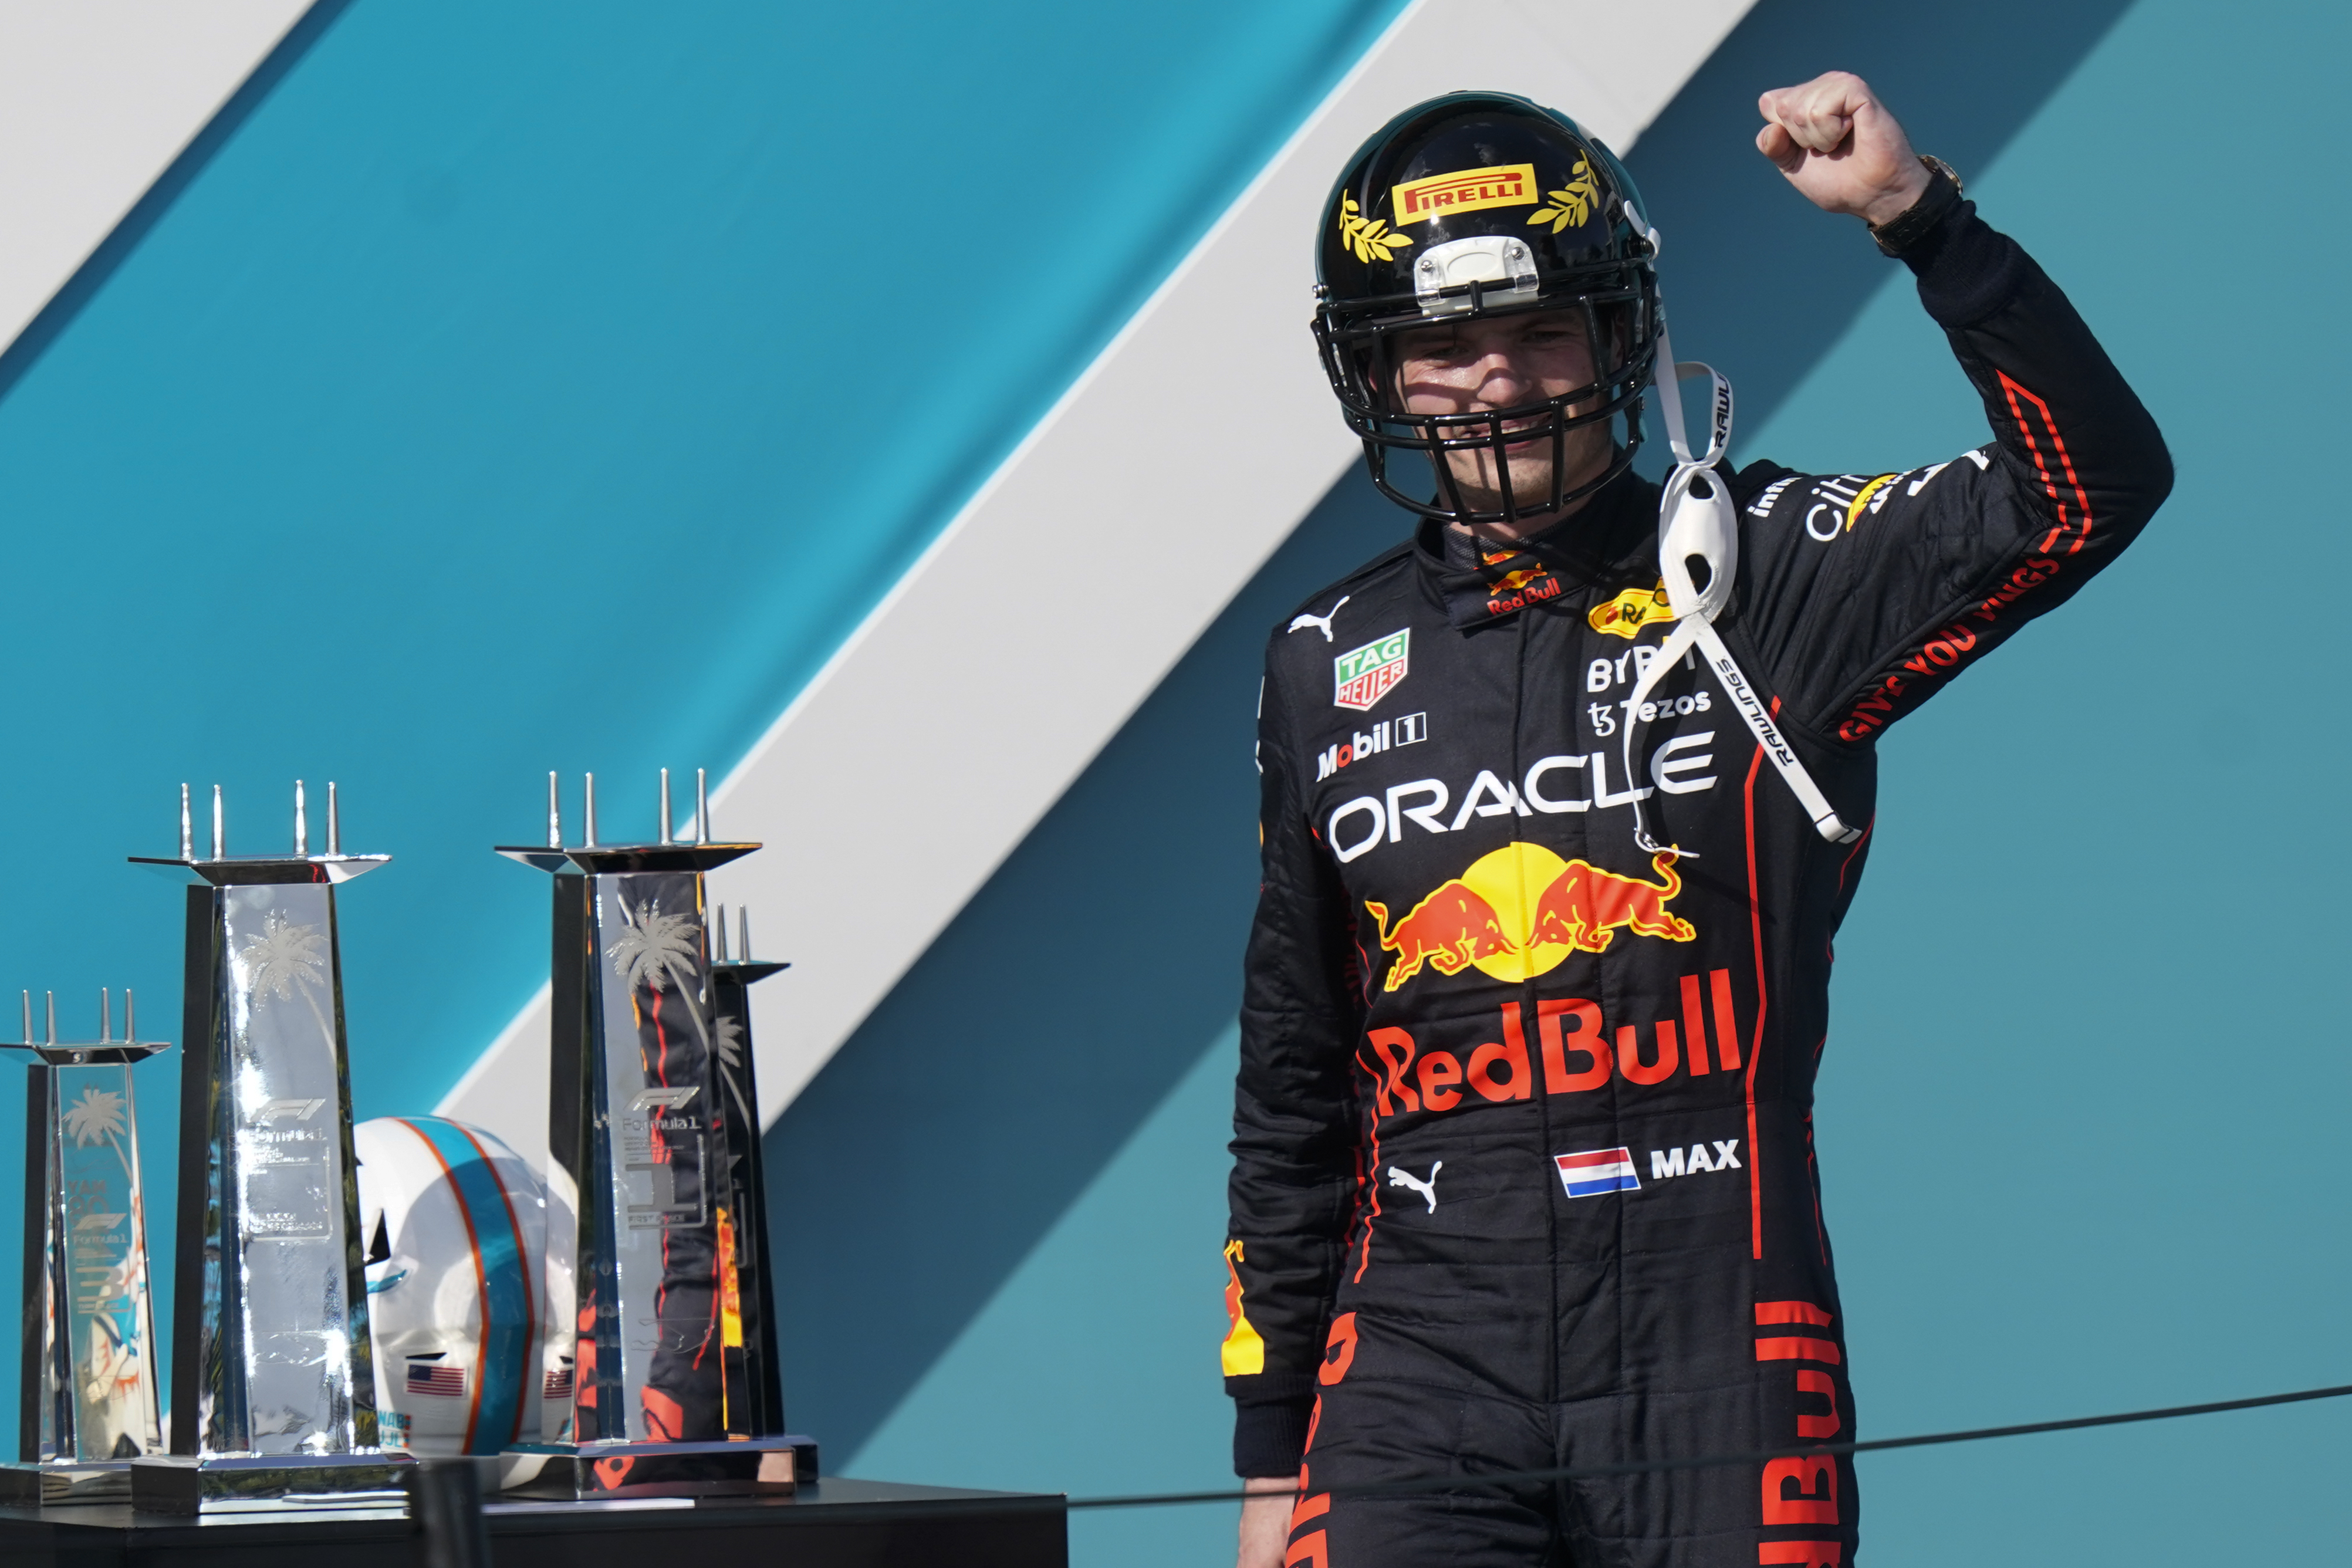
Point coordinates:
[[1388, 733]]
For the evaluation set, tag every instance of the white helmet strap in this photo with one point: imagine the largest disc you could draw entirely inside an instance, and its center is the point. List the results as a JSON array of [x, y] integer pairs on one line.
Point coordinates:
[[1697, 521]]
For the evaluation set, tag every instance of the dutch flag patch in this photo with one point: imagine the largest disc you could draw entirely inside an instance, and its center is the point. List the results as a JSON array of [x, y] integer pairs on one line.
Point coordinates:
[[1598, 1171]]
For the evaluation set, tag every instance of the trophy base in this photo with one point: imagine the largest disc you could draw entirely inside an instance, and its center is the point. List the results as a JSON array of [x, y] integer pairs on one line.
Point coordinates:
[[56, 1482], [265, 1483], [579, 1472]]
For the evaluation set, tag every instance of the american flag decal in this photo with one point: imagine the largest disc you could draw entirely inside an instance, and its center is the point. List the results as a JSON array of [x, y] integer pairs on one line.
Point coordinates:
[[436, 1377], [558, 1385]]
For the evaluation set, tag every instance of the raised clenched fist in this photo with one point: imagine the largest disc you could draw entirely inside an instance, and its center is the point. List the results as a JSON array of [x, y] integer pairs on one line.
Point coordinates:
[[1838, 144]]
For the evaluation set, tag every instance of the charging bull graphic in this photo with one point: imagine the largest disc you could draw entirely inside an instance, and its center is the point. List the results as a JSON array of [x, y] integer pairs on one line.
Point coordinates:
[[1522, 909]]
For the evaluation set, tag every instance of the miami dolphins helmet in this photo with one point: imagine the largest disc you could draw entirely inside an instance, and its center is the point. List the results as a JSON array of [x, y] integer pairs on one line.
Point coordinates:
[[1481, 204], [455, 1229]]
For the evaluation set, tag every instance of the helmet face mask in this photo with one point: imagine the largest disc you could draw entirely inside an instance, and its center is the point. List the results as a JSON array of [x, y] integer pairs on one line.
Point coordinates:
[[1367, 365], [1473, 209]]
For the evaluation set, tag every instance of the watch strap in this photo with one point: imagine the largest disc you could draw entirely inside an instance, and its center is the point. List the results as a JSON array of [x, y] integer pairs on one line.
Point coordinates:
[[1907, 228]]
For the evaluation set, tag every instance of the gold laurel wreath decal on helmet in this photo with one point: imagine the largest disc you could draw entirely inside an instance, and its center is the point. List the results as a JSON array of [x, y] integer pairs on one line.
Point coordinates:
[[1572, 203], [1367, 239]]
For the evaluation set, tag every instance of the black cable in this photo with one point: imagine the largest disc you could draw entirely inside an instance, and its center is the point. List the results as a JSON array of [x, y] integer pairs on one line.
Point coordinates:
[[1713, 1461]]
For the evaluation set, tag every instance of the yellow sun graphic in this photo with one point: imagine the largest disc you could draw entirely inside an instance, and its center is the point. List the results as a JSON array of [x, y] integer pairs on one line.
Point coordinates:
[[1511, 879]]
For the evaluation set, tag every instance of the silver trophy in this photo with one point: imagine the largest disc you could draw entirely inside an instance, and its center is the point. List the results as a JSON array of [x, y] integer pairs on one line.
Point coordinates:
[[755, 1381], [88, 1393], [272, 1391], [653, 1141]]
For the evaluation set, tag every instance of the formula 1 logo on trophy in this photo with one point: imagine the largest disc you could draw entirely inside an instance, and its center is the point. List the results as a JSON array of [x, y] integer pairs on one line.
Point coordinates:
[[88, 1394], [659, 1381], [273, 1392]]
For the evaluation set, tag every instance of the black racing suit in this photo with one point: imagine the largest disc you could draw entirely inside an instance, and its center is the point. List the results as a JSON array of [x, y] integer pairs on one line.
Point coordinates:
[[1524, 1172]]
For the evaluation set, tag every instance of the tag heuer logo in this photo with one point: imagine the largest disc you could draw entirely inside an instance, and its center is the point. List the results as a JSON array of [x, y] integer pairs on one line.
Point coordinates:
[[1372, 671]]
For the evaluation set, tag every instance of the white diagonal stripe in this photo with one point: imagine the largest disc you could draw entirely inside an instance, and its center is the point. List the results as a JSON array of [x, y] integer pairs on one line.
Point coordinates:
[[853, 909], [96, 97]]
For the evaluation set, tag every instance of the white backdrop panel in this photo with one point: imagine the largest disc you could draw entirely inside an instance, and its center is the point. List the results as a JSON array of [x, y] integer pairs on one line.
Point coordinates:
[[96, 97], [978, 656]]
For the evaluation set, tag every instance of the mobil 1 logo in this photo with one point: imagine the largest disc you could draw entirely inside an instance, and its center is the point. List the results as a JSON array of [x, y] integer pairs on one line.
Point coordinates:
[[1389, 732]]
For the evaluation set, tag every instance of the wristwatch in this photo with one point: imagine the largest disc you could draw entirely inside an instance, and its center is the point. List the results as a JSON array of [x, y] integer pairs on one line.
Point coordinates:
[[1903, 230]]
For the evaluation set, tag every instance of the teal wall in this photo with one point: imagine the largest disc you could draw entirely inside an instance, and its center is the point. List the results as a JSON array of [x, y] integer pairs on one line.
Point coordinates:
[[2078, 1113], [365, 462], [479, 400]]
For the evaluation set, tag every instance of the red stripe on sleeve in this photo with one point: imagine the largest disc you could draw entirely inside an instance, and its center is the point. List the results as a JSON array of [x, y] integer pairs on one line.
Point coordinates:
[[1791, 1312], [2012, 391]]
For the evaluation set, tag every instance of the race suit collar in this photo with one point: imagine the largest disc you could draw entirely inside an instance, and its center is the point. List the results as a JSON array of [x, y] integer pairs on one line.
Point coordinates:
[[1479, 582]]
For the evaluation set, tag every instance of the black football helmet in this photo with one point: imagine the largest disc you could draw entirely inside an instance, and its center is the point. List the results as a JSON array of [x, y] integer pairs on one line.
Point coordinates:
[[1484, 204]]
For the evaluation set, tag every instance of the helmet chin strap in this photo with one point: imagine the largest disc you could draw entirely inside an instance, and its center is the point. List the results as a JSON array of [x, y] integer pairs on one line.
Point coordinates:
[[1697, 519]]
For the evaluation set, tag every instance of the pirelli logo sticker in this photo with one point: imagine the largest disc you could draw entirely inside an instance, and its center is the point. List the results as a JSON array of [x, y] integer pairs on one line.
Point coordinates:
[[1499, 185]]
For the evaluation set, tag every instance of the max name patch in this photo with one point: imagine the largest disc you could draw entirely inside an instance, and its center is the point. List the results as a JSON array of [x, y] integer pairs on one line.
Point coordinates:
[[1598, 1171], [1361, 677], [1496, 186]]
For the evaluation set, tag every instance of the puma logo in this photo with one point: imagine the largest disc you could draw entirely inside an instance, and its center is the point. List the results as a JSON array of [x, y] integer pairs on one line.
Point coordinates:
[[1427, 1189], [1321, 623]]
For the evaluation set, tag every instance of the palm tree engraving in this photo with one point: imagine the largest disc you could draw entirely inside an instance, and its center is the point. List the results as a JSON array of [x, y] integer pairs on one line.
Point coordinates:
[[730, 1053], [650, 951], [287, 959], [655, 949], [108, 1275], [101, 1113], [97, 1114]]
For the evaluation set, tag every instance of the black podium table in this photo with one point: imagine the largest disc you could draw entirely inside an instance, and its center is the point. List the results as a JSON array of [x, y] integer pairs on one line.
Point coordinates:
[[831, 1523]]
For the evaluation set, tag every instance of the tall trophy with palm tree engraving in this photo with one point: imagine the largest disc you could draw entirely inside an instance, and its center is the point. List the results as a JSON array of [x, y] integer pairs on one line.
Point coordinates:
[[653, 1385], [273, 1395], [88, 1394]]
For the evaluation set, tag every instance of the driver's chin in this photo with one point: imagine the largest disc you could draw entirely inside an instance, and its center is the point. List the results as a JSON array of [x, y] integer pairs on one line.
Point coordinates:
[[1474, 477]]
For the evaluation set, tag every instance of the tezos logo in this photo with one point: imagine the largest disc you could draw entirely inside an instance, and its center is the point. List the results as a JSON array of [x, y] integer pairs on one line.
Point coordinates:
[[1368, 742], [1365, 675]]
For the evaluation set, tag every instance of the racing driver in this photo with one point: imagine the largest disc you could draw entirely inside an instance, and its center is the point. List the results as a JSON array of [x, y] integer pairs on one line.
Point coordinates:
[[1524, 1174]]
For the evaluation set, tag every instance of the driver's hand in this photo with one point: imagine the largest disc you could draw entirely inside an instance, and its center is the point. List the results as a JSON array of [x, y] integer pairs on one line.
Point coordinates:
[[1838, 144], [1266, 1522]]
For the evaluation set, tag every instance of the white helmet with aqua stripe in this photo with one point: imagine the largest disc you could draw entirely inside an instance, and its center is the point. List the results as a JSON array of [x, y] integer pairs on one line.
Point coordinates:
[[455, 1226]]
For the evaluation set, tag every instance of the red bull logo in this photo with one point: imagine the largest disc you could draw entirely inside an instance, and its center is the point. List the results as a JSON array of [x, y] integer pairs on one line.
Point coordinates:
[[1574, 1052], [1518, 590], [1521, 911]]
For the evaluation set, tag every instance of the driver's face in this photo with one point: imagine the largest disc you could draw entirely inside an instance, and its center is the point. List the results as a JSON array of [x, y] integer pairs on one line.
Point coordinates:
[[1481, 366]]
